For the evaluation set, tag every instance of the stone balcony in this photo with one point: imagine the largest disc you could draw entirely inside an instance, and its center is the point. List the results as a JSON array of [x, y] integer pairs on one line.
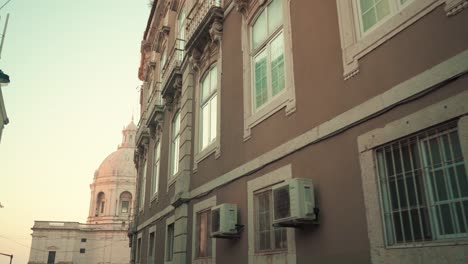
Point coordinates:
[[155, 108], [171, 73], [200, 20], [142, 134]]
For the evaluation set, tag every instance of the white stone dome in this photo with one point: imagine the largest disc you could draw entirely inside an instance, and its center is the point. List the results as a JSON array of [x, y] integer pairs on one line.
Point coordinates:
[[120, 162], [117, 164]]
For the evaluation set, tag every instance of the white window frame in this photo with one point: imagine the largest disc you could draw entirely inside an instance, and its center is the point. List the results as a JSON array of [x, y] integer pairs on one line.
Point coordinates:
[[267, 181], [356, 45], [174, 159], [214, 145], [204, 205], [286, 98], [395, 8], [448, 109], [156, 170], [169, 221]]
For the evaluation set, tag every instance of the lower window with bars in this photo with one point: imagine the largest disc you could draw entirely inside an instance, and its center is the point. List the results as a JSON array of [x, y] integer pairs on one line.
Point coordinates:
[[424, 187]]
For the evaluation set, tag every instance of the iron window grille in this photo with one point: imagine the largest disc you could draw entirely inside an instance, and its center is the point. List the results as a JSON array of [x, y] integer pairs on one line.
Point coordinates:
[[424, 187]]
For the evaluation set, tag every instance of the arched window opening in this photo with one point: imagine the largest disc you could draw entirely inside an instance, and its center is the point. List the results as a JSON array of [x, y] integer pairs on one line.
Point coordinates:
[[100, 204], [125, 201]]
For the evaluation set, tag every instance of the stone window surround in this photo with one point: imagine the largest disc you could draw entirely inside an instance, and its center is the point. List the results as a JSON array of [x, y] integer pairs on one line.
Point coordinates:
[[286, 98], [201, 206], [155, 195], [215, 146], [355, 45], [141, 207], [98, 203], [448, 109], [138, 250], [151, 230], [267, 180], [169, 220], [171, 179], [129, 209]]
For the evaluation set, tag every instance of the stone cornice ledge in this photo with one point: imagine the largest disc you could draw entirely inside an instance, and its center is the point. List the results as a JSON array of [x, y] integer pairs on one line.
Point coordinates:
[[156, 217]]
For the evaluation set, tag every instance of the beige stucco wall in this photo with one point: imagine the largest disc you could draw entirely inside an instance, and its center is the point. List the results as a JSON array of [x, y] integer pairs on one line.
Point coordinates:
[[104, 244]]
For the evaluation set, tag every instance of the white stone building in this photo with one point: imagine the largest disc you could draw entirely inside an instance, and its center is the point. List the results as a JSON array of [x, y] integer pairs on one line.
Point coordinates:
[[103, 239]]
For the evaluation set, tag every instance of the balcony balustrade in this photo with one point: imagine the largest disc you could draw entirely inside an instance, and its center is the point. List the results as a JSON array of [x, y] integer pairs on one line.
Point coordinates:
[[200, 19], [171, 70]]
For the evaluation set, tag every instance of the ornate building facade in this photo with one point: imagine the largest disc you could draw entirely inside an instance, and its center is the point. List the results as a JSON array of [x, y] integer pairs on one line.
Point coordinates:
[[288, 131], [103, 239]]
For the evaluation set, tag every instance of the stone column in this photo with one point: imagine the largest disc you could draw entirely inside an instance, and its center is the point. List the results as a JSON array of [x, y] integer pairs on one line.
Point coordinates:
[[182, 183]]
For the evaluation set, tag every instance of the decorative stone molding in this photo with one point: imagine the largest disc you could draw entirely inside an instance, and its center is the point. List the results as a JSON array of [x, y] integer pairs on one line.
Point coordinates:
[[216, 30], [453, 7], [172, 96], [195, 59], [161, 37], [242, 5], [174, 4], [156, 125]]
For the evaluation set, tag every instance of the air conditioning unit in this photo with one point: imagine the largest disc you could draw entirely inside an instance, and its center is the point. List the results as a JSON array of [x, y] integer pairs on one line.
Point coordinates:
[[293, 203], [224, 221]]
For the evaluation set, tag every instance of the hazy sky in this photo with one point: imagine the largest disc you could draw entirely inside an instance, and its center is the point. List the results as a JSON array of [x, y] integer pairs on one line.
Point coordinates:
[[73, 69]]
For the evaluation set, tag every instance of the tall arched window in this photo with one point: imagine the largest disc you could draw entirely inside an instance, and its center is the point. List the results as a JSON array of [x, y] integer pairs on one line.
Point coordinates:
[[267, 49], [175, 143], [125, 202], [156, 159], [100, 204], [208, 108]]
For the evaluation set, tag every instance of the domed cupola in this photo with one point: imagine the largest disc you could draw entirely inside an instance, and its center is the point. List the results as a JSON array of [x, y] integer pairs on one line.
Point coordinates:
[[113, 186]]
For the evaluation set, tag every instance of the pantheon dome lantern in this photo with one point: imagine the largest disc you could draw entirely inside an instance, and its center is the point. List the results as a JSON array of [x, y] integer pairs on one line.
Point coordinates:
[[113, 187]]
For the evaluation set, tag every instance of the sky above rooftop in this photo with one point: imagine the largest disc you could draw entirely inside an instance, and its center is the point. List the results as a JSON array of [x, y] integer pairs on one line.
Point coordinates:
[[73, 68]]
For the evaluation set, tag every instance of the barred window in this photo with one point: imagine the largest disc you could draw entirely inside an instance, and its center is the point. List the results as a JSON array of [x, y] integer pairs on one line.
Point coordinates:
[[424, 187]]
